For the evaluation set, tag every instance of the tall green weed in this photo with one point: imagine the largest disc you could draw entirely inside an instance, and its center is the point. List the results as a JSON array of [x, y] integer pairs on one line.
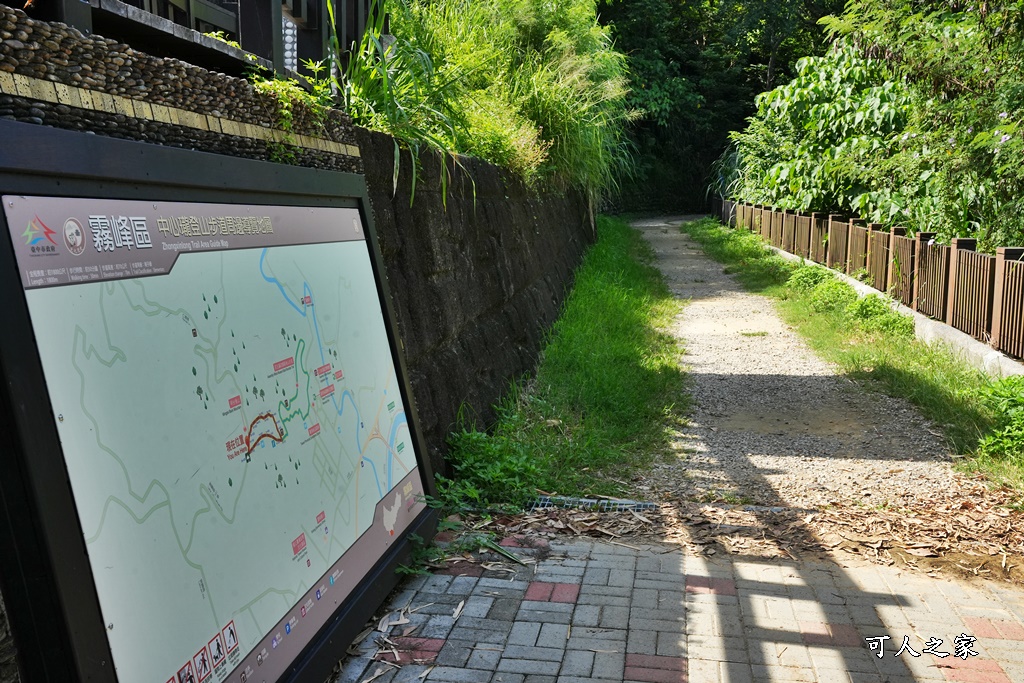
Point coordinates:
[[1006, 441], [534, 86]]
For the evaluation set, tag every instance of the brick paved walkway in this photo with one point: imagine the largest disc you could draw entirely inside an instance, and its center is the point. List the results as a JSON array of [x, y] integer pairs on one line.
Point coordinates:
[[593, 611]]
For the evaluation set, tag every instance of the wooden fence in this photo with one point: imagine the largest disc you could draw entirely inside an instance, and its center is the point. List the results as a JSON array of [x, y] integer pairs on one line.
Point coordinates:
[[857, 256], [838, 251], [878, 257], [980, 294], [819, 237], [931, 281], [901, 267], [1008, 302], [802, 236], [972, 279], [789, 232]]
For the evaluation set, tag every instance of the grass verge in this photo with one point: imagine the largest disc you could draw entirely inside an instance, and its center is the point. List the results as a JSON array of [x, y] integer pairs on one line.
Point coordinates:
[[982, 419], [608, 387]]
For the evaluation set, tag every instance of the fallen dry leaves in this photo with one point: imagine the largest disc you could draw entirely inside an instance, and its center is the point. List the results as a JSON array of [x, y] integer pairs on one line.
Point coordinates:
[[969, 530]]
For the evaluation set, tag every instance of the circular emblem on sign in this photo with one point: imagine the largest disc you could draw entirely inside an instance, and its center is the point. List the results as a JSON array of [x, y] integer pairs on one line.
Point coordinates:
[[74, 236]]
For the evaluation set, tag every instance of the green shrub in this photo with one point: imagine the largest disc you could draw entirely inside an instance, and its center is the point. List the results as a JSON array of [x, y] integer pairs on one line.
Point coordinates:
[[535, 86], [489, 470], [1006, 400], [1005, 443], [875, 314], [808, 277], [891, 127], [832, 296], [505, 137], [1006, 397]]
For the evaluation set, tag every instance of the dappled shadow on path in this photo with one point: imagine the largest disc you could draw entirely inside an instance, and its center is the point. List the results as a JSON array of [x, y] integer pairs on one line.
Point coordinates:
[[776, 432]]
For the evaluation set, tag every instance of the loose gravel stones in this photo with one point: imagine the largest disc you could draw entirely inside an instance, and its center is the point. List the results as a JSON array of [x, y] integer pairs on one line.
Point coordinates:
[[773, 424]]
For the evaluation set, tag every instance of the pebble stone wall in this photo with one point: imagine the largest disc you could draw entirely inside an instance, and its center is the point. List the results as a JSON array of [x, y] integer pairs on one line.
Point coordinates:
[[52, 74], [476, 277]]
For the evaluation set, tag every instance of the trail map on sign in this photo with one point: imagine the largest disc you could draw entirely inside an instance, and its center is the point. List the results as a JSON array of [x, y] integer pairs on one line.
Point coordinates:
[[230, 417]]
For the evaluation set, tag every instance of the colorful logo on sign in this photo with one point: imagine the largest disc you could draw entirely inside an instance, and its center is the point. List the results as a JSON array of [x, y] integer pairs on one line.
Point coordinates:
[[32, 236]]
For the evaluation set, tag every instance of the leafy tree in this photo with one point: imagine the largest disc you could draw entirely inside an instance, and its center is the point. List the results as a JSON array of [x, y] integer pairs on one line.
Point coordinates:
[[813, 140], [913, 119], [964, 62]]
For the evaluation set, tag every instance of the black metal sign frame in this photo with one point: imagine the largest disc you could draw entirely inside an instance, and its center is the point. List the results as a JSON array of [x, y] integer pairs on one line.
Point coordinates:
[[48, 584]]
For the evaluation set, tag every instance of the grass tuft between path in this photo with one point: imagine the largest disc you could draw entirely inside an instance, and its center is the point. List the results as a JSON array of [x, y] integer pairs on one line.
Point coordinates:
[[982, 419], [607, 390]]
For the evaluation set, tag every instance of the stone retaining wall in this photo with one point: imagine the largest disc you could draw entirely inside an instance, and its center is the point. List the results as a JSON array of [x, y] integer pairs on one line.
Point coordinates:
[[475, 284]]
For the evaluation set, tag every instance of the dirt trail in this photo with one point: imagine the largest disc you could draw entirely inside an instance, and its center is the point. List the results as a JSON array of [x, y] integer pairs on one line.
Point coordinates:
[[784, 453], [772, 423]]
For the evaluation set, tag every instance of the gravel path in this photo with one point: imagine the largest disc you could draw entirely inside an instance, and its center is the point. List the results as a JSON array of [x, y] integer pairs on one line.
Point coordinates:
[[772, 424]]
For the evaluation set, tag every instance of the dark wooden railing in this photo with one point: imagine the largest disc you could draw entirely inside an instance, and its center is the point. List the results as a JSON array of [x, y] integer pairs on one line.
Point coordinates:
[[857, 255], [802, 238], [878, 257], [819, 237], [971, 288], [789, 231], [838, 242], [931, 284], [900, 283], [1008, 302]]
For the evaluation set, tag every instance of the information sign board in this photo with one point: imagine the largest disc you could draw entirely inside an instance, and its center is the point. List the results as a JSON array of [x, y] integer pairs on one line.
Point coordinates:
[[232, 421]]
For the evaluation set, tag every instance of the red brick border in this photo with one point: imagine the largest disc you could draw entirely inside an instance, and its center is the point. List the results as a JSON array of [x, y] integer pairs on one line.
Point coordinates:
[[544, 591], [995, 628], [708, 584], [521, 541], [412, 650], [461, 568], [821, 633]]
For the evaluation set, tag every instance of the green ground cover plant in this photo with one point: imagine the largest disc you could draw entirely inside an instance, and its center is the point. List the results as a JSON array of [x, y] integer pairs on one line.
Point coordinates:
[[604, 398], [982, 418]]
